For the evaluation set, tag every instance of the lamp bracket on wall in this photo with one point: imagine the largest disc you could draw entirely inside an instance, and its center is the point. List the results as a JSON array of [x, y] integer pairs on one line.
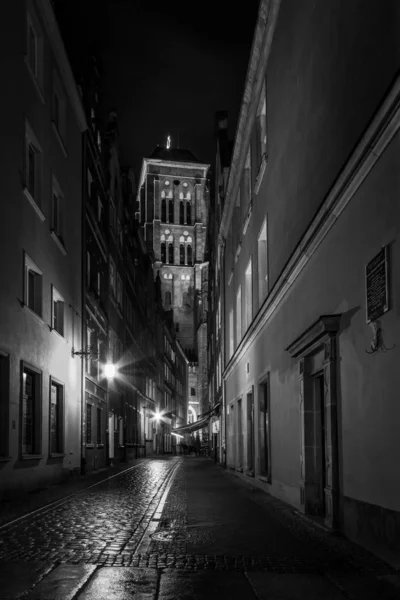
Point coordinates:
[[89, 353], [377, 340]]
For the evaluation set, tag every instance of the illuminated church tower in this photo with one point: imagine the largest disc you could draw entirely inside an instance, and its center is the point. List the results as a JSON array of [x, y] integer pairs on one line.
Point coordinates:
[[173, 205]]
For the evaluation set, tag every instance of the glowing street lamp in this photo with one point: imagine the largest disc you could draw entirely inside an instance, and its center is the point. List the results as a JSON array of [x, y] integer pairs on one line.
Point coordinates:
[[157, 416], [109, 371]]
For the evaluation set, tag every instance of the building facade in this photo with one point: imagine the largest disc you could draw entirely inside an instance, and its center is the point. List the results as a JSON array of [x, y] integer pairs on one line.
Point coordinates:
[[310, 217], [172, 210], [41, 238]]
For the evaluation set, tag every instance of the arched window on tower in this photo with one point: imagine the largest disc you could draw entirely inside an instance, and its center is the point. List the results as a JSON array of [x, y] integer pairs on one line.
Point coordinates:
[[184, 298], [188, 213], [171, 253], [181, 213], [189, 254], [167, 300], [171, 210], [163, 210], [181, 254], [163, 252]]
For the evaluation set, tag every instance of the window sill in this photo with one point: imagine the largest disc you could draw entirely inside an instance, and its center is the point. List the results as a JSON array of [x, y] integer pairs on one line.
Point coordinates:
[[121, 446], [34, 79], [57, 455], [60, 140], [31, 456], [34, 315], [89, 445], [264, 478], [33, 204], [60, 335], [100, 446], [58, 242]]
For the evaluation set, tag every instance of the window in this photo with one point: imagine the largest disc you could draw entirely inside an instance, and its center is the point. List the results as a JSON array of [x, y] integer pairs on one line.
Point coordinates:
[[231, 333], [171, 211], [120, 431], [33, 286], [163, 252], [88, 423], [99, 208], [57, 211], [31, 410], [33, 168], [34, 52], [262, 250], [56, 417], [59, 108], [239, 315], [188, 213], [88, 274], [113, 216], [57, 311], [89, 182], [4, 402], [163, 210], [262, 125], [189, 254], [248, 300], [167, 300], [112, 276], [119, 290], [192, 391], [98, 139], [181, 254], [181, 213], [171, 253], [247, 179], [98, 426]]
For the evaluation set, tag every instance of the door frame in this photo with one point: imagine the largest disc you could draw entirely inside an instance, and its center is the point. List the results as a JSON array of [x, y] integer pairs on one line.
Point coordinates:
[[316, 349]]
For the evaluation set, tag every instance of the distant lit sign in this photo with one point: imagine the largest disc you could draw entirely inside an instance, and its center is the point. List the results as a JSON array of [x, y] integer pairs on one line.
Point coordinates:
[[215, 426], [377, 285]]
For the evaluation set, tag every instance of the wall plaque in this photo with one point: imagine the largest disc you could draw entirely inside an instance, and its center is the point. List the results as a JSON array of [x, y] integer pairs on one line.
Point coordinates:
[[377, 288]]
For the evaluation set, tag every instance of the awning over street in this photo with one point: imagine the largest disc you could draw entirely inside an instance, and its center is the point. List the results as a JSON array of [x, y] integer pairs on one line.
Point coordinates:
[[201, 422]]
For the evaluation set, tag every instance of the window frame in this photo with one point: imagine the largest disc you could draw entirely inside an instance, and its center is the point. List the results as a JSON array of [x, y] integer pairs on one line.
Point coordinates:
[[30, 266], [37, 412], [35, 68], [59, 385], [33, 193], [57, 298]]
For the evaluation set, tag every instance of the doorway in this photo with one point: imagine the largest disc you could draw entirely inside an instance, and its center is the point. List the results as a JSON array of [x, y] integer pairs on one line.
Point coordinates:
[[110, 436], [239, 430], [319, 435], [250, 434]]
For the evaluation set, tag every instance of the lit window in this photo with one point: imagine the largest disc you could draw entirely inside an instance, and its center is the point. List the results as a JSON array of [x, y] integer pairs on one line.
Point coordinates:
[[56, 417], [262, 250], [262, 124], [239, 315], [248, 295], [33, 286], [57, 311], [99, 141], [89, 423], [167, 183], [89, 182], [99, 208], [231, 333], [185, 184], [33, 167], [31, 410]]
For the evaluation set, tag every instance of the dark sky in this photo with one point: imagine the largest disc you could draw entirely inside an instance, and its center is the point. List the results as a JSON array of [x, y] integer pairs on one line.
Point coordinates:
[[167, 66]]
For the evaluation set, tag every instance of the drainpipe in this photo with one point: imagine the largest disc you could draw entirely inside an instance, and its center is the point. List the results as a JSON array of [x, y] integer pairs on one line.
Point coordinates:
[[83, 308]]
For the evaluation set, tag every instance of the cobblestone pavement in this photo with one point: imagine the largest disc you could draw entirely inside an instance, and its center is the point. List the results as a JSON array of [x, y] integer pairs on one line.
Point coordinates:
[[217, 537]]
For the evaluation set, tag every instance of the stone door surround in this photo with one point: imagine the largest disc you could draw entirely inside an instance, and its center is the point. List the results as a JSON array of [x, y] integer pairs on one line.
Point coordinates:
[[316, 350]]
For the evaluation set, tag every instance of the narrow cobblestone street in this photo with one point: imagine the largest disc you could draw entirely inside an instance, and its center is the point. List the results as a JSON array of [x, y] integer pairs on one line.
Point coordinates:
[[181, 528]]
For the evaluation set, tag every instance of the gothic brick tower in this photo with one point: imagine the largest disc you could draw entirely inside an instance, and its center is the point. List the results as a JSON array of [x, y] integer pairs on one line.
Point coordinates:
[[172, 209]]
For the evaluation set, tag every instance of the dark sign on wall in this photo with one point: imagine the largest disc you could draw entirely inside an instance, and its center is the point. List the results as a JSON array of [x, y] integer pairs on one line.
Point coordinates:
[[377, 288]]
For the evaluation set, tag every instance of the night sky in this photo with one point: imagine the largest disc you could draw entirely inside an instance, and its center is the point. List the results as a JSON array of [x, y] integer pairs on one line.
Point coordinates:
[[167, 66]]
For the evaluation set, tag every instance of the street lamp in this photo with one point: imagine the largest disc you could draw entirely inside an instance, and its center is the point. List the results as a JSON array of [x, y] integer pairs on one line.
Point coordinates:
[[109, 371], [157, 416]]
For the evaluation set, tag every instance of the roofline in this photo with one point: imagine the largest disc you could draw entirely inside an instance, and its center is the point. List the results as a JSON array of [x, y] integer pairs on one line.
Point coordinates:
[[262, 41], [61, 57]]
